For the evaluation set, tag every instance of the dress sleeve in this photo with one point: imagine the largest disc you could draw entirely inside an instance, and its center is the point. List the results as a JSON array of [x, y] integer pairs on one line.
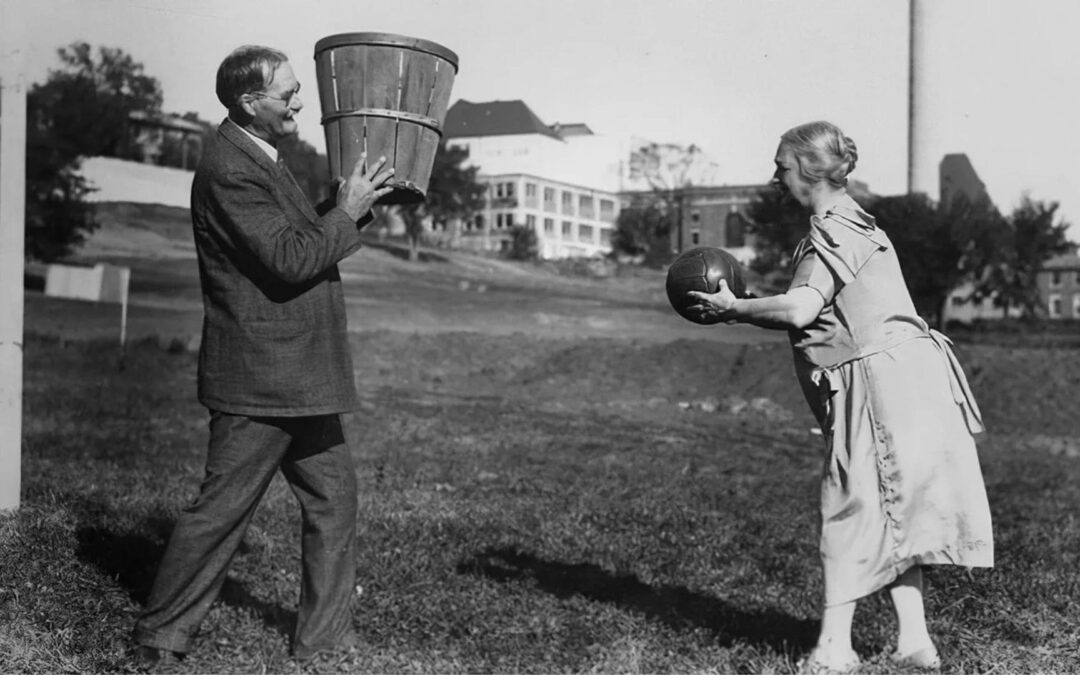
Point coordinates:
[[811, 271], [846, 243]]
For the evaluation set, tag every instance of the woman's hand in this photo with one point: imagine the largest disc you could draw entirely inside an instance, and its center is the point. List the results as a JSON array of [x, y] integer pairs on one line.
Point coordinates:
[[718, 305]]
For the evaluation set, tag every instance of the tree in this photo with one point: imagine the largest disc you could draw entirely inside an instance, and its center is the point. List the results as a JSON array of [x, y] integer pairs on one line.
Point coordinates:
[[58, 217], [940, 246], [311, 169], [644, 230], [929, 252], [1032, 236], [80, 111], [777, 224], [453, 195], [524, 244], [85, 104]]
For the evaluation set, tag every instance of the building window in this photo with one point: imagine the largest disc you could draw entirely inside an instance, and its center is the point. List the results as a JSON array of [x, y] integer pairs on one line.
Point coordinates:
[[607, 210], [585, 207], [549, 226], [695, 237], [735, 230], [567, 229], [1055, 279], [1054, 306], [1076, 306], [549, 199], [605, 236], [478, 221], [530, 221], [585, 233], [530, 195], [568, 203]]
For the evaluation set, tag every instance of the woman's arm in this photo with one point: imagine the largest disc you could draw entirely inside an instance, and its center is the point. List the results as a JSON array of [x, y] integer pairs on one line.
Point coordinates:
[[796, 308]]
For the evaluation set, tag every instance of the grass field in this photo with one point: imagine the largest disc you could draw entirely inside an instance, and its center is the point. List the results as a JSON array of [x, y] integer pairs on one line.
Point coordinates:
[[556, 476]]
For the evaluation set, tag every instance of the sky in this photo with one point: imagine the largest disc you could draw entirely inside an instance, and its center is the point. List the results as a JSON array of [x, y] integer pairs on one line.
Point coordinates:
[[729, 76]]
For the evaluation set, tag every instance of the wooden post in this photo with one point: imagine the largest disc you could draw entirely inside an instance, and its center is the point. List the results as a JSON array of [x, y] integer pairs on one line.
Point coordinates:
[[12, 239]]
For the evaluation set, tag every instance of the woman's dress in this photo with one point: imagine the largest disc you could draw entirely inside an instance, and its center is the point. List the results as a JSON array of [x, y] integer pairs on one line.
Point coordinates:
[[902, 484]]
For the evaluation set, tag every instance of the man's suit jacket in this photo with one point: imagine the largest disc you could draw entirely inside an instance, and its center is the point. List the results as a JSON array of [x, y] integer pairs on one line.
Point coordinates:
[[274, 339]]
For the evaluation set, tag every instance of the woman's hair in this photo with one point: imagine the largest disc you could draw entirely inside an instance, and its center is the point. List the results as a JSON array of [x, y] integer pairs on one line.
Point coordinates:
[[822, 151], [246, 69]]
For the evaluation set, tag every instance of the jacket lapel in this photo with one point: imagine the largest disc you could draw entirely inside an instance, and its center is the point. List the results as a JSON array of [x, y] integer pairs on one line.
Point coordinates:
[[283, 179]]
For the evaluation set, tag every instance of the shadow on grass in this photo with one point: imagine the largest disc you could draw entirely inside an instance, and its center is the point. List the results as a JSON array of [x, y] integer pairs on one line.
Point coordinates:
[[677, 607], [132, 560]]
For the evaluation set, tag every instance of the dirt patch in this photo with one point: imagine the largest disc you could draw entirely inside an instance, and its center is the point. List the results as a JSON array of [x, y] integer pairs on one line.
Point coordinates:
[[1019, 390]]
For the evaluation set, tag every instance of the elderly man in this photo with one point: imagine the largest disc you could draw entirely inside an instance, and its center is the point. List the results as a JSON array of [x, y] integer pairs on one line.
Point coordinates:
[[274, 364]]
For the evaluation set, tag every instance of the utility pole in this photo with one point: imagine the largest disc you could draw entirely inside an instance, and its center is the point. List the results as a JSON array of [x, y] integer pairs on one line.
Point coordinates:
[[12, 238], [927, 97]]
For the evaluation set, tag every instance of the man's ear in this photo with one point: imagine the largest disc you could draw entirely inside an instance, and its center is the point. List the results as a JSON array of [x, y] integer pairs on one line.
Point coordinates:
[[243, 112], [246, 105]]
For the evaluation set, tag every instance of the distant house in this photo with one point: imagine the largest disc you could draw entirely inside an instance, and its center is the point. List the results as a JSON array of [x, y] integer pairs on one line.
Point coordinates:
[[150, 132], [1059, 286]]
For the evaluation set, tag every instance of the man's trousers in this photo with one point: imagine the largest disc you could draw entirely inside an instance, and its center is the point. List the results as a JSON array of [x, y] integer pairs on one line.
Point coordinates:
[[243, 456]]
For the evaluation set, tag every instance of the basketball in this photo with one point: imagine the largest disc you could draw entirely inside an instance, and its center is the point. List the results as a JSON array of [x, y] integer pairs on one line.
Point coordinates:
[[701, 269]]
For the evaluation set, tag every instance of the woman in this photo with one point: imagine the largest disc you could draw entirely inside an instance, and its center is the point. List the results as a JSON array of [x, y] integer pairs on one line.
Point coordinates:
[[902, 485]]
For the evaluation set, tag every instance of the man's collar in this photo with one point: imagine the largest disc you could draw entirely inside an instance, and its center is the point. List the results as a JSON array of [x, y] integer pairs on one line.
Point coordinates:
[[270, 150]]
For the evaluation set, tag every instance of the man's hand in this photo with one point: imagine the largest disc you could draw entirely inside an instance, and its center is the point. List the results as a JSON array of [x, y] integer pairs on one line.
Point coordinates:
[[364, 187]]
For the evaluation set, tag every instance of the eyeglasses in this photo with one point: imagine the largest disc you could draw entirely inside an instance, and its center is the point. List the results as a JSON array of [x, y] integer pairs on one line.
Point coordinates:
[[287, 99]]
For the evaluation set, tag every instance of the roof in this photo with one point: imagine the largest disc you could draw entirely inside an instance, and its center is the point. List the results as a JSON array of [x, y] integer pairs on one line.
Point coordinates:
[[174, 122], [493, 118], [566, 129], [1068, 261]]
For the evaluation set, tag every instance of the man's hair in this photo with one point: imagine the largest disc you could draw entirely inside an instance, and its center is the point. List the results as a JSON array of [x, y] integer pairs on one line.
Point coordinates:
[[247, 69]]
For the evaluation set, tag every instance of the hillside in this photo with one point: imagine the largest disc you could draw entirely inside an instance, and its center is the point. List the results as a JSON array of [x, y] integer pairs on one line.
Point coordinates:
[[445, 291]]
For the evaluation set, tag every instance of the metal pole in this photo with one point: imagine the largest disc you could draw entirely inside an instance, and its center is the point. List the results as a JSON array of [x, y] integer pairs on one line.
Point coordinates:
[[911, 97], [12, 240], [927, 99]]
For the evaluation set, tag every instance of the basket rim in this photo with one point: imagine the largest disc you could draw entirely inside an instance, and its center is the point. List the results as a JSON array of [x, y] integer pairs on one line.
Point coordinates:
[[388, 40]]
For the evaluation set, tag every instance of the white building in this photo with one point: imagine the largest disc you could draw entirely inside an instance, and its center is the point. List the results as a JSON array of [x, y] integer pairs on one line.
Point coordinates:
[[569, 220], [561, 181]]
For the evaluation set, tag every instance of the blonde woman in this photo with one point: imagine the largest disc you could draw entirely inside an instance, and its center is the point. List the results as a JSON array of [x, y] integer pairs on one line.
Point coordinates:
[[902, 485]]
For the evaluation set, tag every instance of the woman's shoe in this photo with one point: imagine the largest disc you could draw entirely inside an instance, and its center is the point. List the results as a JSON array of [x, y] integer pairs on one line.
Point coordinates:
[[811, 665], [924, 659]]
